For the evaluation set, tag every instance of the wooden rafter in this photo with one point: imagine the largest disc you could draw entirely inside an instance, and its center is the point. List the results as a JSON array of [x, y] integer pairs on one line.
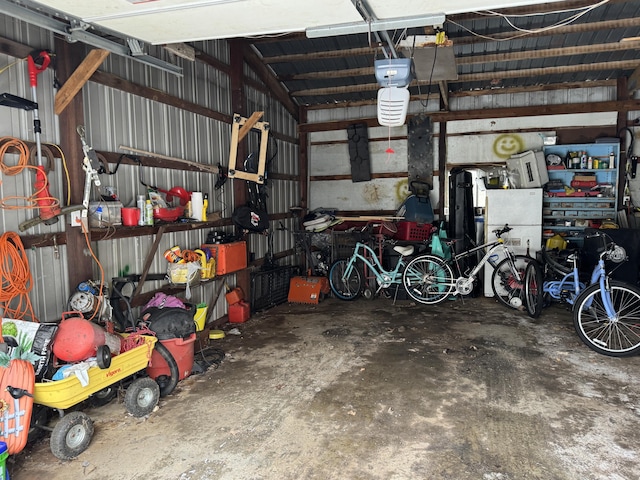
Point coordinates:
[[79, 77]]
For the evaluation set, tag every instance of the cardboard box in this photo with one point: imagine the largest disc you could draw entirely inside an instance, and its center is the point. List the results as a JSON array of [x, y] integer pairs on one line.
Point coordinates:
[[230, 257]]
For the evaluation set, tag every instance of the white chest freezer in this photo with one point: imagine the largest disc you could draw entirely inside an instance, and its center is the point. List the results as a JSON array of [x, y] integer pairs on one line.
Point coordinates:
[[521, 209]]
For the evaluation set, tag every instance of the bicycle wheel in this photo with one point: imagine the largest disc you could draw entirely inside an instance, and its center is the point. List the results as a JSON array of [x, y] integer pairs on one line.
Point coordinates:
[[553, 259], [533, 289], [508, 288], [428, 279], [345, 286], [618, 337]]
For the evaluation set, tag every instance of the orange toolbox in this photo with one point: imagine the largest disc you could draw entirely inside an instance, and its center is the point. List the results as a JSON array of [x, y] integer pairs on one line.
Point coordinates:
[[308, 289], [230, 257]]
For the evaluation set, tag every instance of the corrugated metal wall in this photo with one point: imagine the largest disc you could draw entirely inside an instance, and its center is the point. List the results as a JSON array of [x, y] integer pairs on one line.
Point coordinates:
[[48, 265], [114, 118], [329, 150], [329, 155]]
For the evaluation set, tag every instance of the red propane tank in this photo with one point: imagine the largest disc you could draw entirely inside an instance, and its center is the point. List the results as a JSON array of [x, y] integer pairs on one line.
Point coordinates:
[[78, 339]]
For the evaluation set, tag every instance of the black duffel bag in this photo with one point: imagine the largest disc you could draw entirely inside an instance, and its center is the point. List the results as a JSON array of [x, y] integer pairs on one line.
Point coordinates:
[[170, 322]]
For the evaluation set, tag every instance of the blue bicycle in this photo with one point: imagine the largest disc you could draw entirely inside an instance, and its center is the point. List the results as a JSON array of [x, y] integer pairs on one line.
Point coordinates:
[[606, 313]]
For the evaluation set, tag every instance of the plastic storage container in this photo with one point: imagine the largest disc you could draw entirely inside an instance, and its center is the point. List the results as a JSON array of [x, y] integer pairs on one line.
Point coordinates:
[[414, 232]]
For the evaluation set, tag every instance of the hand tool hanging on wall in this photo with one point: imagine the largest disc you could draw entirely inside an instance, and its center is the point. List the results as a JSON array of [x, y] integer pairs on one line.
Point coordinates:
[[38, 61], [90, 165]]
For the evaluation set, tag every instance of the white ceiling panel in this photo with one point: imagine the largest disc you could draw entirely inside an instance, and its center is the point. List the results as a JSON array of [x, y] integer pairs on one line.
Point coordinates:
[[171, 21], [384, 9]]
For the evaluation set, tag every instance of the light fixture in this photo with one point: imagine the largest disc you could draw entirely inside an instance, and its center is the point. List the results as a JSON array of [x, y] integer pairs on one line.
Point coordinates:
[[393, 103], [394, 76], [375, 25]]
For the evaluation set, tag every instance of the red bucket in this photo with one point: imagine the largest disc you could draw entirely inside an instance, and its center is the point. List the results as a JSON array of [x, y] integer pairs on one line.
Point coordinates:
[[182, 350]]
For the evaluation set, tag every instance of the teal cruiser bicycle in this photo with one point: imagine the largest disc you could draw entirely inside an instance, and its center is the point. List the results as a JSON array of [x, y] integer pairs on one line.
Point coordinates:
[[348, 281]]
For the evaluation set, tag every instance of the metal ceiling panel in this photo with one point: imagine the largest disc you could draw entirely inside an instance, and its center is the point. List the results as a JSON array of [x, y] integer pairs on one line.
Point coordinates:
[[529, 44], [171, 21]]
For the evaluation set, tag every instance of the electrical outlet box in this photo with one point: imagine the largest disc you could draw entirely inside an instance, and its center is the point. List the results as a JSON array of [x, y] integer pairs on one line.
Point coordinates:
[[76, 218]]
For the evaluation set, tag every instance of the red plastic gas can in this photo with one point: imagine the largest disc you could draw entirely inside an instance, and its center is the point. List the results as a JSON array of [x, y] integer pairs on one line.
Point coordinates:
[[239, 312]]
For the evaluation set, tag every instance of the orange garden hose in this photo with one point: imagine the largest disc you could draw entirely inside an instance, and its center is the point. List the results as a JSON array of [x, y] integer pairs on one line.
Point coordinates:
[[17, 281], [8, 145], [16, 278], [95, 258]]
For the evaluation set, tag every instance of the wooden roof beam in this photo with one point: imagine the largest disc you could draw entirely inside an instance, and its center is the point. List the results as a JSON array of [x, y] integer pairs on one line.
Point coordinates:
[[78, 78]]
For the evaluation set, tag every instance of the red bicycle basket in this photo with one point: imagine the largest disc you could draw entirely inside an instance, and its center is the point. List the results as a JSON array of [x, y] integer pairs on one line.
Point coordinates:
[[414, 232]]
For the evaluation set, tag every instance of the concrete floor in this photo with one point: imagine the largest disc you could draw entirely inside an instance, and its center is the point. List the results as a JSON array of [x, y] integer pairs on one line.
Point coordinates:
[[371, 390]]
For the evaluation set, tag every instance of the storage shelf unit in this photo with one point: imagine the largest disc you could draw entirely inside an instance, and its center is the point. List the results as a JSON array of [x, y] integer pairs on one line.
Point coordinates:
[[569, 213]]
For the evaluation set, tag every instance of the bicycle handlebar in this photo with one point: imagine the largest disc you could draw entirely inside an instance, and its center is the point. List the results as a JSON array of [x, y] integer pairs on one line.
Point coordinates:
[[506, 229], [609, 250]]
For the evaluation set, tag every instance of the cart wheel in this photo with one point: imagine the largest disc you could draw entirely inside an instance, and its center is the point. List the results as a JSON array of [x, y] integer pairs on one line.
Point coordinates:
[[40, 416], [142, 396], [103, 356], [104, 396], [368, 293], [71, 435]]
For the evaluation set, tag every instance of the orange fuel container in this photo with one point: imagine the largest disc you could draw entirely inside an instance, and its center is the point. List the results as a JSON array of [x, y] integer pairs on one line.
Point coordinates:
[[239, 312], [234, 296]]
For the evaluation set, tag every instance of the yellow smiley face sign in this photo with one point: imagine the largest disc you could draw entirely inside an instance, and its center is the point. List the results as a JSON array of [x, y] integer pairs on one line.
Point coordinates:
[[507, 144], [402, 190]]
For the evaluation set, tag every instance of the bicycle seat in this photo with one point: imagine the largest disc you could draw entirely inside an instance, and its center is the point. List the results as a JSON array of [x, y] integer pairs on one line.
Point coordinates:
[[567, 254], [403, 250]]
